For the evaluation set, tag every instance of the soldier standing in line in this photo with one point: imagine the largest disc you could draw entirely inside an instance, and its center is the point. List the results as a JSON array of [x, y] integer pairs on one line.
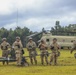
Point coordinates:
[[5, 46], [31, 47], [17, 45], [44, 52], [54, 49]]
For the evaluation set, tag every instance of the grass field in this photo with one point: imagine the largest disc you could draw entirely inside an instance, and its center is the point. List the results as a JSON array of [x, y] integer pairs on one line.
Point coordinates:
[[66, 66]]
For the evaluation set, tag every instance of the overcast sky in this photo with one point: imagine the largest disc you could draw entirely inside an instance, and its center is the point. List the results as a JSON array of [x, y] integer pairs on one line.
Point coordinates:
[[36, 14]]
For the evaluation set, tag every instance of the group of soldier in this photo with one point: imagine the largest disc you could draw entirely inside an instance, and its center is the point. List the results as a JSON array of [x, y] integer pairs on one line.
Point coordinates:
[[31, 47], [17, 46]]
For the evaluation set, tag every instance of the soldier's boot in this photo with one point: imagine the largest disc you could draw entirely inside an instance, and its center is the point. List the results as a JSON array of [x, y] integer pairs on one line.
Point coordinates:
[[47, 62], [46, 59], [55, 60], [42, 60], [3, 62], [51, 60], [35, 60], [18, 62]]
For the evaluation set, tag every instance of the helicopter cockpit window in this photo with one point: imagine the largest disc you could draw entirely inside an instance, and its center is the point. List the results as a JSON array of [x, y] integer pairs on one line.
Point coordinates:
[[47, 40]]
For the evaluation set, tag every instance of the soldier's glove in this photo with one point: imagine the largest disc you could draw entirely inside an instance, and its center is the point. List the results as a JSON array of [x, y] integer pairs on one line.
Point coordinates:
[[2, 47], [30, 47], [18, 46]]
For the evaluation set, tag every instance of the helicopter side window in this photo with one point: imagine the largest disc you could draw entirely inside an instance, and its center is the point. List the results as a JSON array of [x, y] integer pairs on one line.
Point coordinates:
[[72, 40], [47, 40]]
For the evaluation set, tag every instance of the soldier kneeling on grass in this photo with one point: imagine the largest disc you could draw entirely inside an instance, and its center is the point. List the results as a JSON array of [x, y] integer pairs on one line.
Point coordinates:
[[24, 61], [44, 52], [54, 48]]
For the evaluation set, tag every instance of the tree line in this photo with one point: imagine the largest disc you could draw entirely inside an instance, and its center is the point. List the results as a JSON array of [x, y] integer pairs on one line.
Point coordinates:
[[12, 34], [24, 32], [69, 30]]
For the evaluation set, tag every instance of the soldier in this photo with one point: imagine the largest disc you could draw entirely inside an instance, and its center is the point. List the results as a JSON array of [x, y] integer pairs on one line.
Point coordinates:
[[17, 45], [54, 48], [5, 46], [73, 47], [44, 52], [31, 47]]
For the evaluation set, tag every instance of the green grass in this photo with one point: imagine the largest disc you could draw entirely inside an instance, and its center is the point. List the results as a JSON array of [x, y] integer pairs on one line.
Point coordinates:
[[66, 66]]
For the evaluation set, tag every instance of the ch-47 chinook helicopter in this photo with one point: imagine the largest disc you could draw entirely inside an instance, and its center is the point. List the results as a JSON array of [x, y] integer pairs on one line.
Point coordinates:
[[64, 41]]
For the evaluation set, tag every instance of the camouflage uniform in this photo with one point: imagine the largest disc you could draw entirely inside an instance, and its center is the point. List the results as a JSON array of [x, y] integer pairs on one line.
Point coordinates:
[[73, 47], [54, 55], [31, 46], [4, 46], [44, 53], [17, 45]]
